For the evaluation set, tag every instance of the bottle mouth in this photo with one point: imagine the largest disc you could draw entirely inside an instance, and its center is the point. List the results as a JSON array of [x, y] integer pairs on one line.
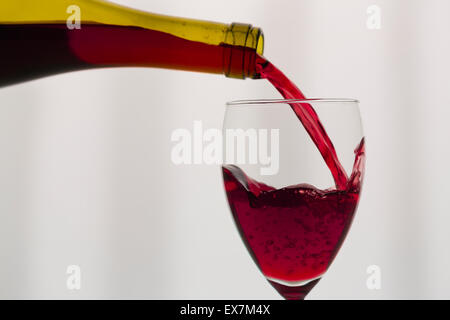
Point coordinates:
[[288, 101]]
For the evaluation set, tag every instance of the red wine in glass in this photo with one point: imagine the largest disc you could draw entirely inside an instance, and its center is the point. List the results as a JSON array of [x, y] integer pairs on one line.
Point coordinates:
[[294, 233]]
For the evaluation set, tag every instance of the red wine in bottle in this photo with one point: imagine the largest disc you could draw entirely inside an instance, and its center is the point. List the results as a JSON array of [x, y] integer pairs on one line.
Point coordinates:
[[31, 51]]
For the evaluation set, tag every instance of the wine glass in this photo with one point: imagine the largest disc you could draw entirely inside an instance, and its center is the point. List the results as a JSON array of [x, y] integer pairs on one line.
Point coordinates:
[[290, 212]]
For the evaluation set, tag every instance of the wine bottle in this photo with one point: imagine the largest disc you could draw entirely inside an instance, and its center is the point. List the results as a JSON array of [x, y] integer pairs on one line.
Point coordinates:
[[46, 37]]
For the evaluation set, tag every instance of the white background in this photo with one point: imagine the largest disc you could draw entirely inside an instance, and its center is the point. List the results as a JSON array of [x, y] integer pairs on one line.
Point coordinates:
[[86, 176]]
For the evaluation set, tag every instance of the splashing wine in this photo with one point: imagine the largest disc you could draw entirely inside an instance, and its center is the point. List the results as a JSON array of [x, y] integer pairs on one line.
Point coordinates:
[[294, 233]]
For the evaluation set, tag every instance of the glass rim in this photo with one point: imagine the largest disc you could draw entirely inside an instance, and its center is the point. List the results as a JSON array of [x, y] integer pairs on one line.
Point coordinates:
[[284, 101]]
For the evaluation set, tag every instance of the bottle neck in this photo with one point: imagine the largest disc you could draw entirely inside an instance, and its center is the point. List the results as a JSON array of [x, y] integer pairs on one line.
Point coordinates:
[[242, 44]]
